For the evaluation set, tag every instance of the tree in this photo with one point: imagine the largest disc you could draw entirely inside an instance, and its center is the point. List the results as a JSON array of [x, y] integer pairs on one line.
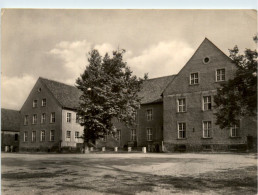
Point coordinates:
[[237, 97], [109, 90]]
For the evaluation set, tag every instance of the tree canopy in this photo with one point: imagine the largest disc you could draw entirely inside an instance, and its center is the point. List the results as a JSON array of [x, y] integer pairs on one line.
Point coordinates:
[[238, 96], [109, 90]]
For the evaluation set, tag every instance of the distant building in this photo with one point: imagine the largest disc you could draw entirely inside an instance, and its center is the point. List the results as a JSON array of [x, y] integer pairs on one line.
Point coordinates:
[[10, 129]]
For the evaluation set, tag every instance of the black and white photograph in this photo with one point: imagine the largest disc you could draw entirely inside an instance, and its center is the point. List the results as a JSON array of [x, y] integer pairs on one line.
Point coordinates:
[[128, 101]]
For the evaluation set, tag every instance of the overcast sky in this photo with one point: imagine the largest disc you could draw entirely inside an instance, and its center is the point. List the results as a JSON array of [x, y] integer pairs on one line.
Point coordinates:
[[54, 43]]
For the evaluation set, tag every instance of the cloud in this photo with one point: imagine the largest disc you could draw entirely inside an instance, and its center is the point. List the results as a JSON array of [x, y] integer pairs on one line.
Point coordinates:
[[15, 90], [163, 58]]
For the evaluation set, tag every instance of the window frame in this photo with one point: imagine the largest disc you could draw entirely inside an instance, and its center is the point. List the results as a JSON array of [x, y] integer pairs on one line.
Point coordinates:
[[25, 136], [68, 117], [26, 120], [33, 136], [68, 138], [220, 75], [236, 129], [34, 119], [133, 135], [44, 102], [181, 106], [183, 130], [194, 78], [43, 135], [52, 116], [149, 116], [206, 103], [35, 103], [149, 133], [208, 130], [52, 135], [43, 119]]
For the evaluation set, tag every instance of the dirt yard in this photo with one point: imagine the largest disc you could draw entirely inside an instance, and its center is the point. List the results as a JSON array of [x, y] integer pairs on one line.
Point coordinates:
[[133, 173]]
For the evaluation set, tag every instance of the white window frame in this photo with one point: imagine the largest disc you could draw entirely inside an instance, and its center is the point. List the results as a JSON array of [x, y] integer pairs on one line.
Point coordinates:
[[68, 136], [181, 107], [206, 129], [68, 117], [34, 103], [43, 135], [34, 119], [25, 136], [219, 74], [181, 130], [234, 131], [43, 118], [206, 100], [26, 120], [149, 134], [133, 135], [33, 136], [193, 79], [43, 102], [52, 117], [52, 135], [149, 114]]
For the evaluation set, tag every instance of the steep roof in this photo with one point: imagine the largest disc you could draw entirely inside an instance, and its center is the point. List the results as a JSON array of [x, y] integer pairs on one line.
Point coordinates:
[[153, 88], [10, 120], [67, 95]]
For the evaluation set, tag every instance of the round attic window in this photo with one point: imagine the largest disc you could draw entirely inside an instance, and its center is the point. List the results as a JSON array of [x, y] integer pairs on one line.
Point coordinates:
[[206, 60]]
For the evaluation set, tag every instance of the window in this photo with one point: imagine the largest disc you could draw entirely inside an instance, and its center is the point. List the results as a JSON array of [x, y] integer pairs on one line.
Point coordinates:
[[149, 114], [149, 134], [16, 137], [118, 135], [44, 102], [206, 60], [68, 136], [220, 75], [77, 118], [33, 136], [181, 105], [194, 78], [234, 131], [68, 117], [133, 134], [34, 119], [52, 117], [25, 136], [206, 129], [77, 135], [207, 103], [35, 103], [181, 130], [43, 118], [52, 135], [26, 119], [42, 135]]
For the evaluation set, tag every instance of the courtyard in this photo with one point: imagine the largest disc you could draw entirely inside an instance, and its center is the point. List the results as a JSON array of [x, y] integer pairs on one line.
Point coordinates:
[[129, 173]]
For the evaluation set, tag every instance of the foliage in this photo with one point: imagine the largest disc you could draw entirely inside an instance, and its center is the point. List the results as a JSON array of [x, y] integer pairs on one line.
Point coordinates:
[[109, 90], [238, 96]]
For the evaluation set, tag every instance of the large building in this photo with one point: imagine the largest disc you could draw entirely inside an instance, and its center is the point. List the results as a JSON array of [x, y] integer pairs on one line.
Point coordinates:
[[176, 113]]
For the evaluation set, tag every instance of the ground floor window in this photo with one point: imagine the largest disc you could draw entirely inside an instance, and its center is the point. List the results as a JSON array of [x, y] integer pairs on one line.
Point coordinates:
[[43, 135], [25, 136], [206, 129], [77, 136], [68, 136], [181, 130], [33, 136], [16, 137], [133, 134], [52, 135], [149, 134], [234, 131]]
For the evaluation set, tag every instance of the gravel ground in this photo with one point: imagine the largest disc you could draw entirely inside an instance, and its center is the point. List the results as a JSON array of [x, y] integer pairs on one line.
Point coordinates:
[[129, 173]]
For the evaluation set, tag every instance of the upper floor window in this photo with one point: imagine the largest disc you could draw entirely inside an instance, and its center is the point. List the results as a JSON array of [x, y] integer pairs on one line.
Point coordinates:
[[206, 129], [33, 136], [194, 78], [221, 74], [207, 103], [44, 102], [77, 118], [25, 136], [42, 135], [149, 114], [26, 120], [35, 103], [149, 134], [68, 136], [43, 117], [68, 117], [34, 119], [234, 130], [52, 117], [181, 127], [181, 105], [133, 134], [52, 135]]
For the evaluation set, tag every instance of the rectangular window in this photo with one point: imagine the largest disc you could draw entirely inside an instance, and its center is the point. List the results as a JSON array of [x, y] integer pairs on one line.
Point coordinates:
[[52, 117], [16, 137], [52, 135], [149, 114], [25, 136], [181, 130], [33, 136], [35, 103], [68, 136], [34, 119], [26, 119], [149, 134], [42, 135], [68, 117], [43, 117], [118, 135], [207, 103], [234, 131], [220, 75], [181, 105], [133, 134], [206, 129], [77, 136], [194, 78], [44, 102]]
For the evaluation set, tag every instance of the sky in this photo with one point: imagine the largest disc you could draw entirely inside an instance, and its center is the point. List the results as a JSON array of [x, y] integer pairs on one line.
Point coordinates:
[[54, 44]]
